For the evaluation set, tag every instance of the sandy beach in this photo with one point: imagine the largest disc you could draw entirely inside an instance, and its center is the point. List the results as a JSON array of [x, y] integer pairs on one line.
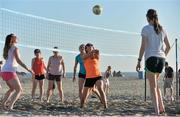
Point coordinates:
[[126, 98]]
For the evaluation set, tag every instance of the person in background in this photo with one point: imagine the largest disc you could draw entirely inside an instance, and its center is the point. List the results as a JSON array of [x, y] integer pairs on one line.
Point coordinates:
[[82, 71], [39, 69], [168, 80], [107, 74], [1, 62], [179, 80]]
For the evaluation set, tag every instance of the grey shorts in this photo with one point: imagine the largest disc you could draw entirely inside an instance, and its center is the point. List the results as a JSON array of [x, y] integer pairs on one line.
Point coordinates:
[[168, 83]]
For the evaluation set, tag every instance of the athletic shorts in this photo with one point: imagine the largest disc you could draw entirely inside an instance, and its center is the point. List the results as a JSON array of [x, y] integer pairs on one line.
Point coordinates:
[[8, 75], [83, 76], [40, 77], [168, 82], [54, 77], [90, 82], [154, 64]]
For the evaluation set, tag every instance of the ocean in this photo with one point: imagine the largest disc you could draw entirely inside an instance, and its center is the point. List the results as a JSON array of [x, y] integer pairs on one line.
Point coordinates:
[[125, 74]]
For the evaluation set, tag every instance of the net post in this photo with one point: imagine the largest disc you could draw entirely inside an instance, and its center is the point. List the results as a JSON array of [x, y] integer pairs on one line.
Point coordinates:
[[145, 89], [177, 79]]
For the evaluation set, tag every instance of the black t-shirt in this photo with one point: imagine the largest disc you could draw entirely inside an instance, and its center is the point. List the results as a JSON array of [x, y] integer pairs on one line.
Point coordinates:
[[169, 72]]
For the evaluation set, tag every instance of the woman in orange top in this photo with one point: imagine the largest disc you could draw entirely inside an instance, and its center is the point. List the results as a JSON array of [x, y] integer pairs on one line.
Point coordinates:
[[39, 68], [93, 75]]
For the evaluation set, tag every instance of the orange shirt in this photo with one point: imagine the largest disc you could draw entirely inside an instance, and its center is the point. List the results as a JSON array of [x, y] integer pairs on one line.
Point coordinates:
[[92, 67], [38, 66]]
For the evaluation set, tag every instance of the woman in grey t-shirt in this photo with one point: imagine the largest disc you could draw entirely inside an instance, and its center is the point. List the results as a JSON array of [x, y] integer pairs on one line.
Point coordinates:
[[155, 46]]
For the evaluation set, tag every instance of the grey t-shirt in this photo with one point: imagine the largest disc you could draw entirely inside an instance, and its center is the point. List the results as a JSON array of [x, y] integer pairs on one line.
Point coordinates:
[[155, 42]]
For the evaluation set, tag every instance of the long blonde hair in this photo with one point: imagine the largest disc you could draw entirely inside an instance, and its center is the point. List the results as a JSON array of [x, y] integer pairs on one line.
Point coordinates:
[[7, 45]]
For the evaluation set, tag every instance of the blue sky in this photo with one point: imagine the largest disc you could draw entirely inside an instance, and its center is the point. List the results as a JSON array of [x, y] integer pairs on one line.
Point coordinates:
[[127, 15]]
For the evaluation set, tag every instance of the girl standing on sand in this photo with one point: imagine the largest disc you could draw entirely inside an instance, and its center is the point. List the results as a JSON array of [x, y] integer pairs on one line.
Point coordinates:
[[56, 71], [39, 68], [152, 44], [107, 74], [93, 75], [82, 71], [8, 73]]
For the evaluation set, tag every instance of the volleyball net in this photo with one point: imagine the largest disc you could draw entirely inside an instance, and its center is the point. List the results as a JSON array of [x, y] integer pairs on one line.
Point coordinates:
[[118, 48]]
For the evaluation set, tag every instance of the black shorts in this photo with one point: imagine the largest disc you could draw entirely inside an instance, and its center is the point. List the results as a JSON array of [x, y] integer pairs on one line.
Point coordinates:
[[80, 75], [155, 64], [90, 82], [40, 77], [54, 77]]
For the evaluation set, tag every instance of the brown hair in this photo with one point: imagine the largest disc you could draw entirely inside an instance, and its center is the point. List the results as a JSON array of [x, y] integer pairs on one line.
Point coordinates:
[[88, 45], [152, 15], [7, 45]]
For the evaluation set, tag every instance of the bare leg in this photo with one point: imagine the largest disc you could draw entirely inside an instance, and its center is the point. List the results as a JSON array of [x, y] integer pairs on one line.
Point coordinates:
[[18, 90], [34, 85], [164, 88], [105, 85], [8, 94], [61, 95], [99, 85], [153, 87], [50, 90], [160, 100], [85, 94], [107, 90], [81, 85], [41, 87], [96, 91], [171, 91]]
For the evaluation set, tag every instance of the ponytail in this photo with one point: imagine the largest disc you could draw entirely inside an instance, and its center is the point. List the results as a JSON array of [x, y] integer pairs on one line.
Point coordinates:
[[157, 26], [7, 46], [152, 15]]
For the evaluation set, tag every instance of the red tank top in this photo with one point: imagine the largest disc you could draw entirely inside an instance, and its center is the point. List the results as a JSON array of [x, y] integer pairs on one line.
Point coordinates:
[[38, 66]]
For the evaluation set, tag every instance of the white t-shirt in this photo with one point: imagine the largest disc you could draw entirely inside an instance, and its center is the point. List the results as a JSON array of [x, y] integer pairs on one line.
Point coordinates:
[[155, 42], [11, 63]]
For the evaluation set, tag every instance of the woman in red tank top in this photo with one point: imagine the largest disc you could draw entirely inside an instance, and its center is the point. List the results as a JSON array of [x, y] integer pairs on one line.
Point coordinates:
[[39, 69]]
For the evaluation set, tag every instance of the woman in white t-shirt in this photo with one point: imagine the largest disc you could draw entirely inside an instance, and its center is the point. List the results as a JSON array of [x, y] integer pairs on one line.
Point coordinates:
[[8, 73], [155, 46]]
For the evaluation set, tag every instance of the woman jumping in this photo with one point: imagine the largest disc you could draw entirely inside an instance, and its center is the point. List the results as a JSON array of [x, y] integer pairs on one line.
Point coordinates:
[[12, 56]]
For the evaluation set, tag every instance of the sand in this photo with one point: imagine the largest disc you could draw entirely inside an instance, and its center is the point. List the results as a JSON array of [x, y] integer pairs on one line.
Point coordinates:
[[126, 98]]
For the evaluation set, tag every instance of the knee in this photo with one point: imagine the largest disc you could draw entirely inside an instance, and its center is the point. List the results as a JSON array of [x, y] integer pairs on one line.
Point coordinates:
[[49, 89], [19, 90], [11, 90], [60, 90]]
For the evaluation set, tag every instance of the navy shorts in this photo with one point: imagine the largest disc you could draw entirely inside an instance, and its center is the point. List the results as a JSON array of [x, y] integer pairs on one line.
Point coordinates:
[[40, 77], [90, 82], [54, 77], [80, 75], [155, 64]]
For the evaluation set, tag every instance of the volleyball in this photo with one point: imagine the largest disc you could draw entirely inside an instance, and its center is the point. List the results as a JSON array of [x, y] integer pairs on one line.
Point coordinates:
[[97, 9]]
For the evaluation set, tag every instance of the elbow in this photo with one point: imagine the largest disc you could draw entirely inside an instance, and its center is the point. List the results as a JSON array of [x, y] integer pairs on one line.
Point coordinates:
[[18, 61], [168, 47]]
